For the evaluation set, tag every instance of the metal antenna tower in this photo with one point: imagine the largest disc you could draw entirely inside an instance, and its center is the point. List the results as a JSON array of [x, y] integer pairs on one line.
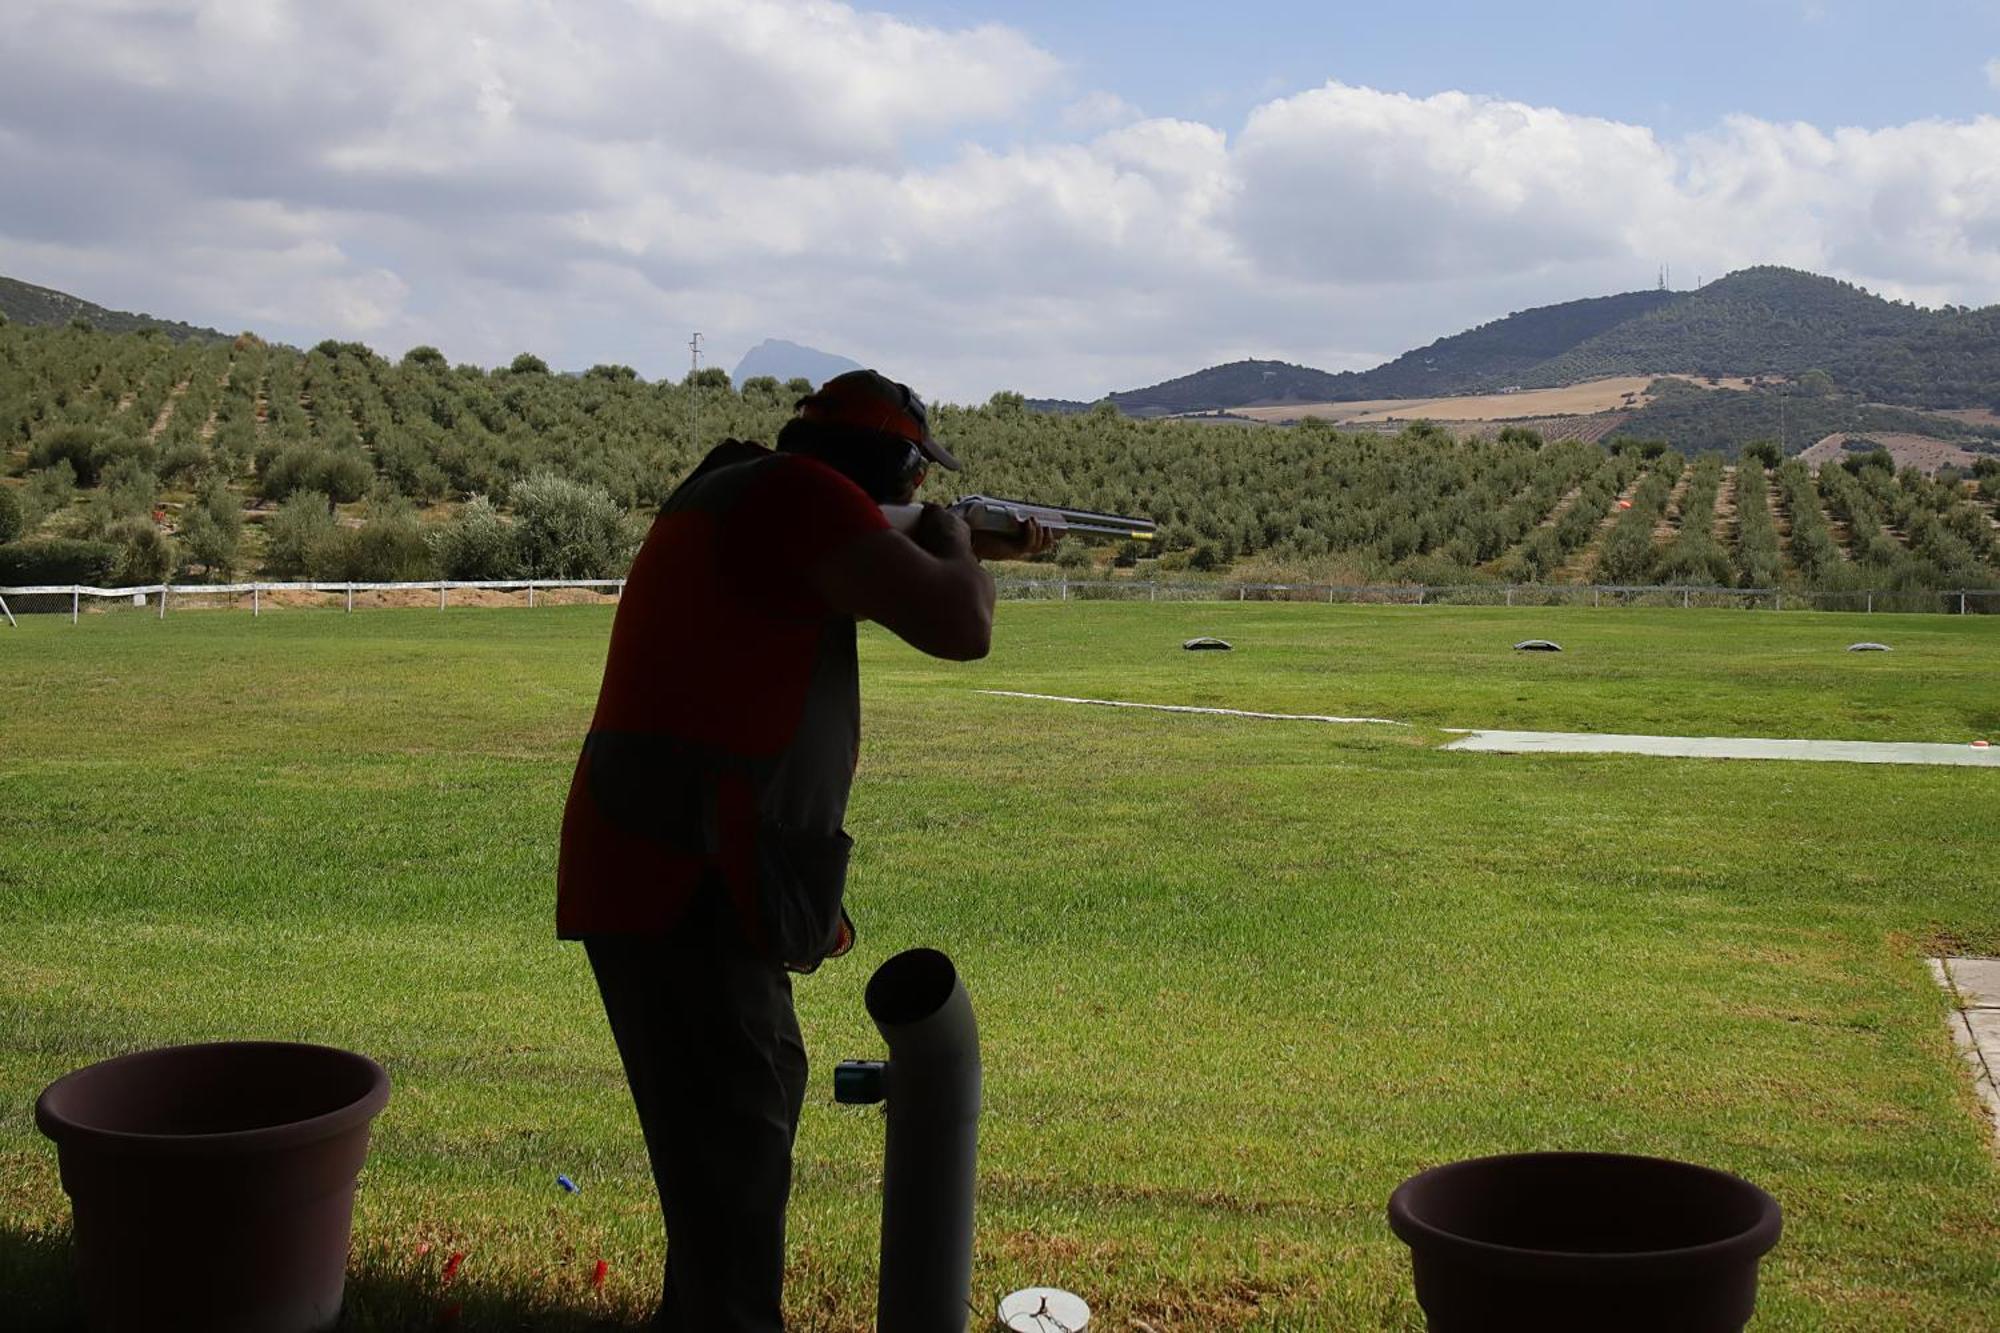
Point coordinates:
[[694, 367]]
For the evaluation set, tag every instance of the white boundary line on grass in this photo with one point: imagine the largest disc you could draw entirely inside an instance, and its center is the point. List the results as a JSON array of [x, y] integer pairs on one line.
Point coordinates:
[[1572, 742], [1190, 708]]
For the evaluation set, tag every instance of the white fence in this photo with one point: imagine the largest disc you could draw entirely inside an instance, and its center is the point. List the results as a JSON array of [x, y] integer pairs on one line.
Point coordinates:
[[1966, 601], [1955, 601], [159, 593]]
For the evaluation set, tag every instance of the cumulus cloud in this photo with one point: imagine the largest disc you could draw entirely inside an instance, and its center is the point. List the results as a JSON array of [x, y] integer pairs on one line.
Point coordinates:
[[592, 182], [1098, 110]]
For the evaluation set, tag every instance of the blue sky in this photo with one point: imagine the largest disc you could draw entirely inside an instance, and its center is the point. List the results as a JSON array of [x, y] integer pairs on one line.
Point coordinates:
[[1674, 67], [1058, 198]]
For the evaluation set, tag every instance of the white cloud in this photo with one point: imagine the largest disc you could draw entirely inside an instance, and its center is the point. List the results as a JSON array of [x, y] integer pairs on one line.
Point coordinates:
[[593, 182], [1098, 110]]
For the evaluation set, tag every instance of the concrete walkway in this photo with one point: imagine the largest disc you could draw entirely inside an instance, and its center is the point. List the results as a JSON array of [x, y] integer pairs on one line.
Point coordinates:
[[1726, 747], [1974, 987]]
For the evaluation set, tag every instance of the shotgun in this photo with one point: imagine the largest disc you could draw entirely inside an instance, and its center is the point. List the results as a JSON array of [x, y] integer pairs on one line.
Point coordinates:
[[983, 513]]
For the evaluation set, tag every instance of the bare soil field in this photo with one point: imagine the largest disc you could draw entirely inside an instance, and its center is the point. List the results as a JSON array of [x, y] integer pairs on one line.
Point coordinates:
[[1616, 393], [1919, 451], [1590, 429], [1971, 416]]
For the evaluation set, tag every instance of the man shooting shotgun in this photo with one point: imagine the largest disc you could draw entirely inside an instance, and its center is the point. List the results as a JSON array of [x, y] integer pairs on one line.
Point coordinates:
[[702, 855]]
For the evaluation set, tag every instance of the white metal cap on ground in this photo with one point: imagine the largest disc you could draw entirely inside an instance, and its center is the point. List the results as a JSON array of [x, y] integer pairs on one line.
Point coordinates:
[[1043, 1310]]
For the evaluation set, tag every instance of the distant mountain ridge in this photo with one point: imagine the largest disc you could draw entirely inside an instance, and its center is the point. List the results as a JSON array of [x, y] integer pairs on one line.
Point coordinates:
[[1758, 321], [25, 303], [784, 360]]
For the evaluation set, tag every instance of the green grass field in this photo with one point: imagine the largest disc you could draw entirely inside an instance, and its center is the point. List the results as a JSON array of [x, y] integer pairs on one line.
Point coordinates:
[[1235, 979]]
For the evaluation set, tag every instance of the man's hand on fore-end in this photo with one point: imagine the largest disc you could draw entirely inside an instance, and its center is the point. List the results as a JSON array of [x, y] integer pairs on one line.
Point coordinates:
[[1031, 538]]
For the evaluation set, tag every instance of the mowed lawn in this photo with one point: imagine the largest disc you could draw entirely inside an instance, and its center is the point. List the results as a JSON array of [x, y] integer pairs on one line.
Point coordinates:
[[1235, 979]]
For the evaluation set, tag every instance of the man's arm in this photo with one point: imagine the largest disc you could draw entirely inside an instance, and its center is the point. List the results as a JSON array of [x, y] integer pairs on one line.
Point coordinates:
[[927, 588]]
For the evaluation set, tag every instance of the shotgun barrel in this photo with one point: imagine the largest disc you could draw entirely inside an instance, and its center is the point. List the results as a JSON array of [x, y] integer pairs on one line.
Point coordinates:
[[985, 513]]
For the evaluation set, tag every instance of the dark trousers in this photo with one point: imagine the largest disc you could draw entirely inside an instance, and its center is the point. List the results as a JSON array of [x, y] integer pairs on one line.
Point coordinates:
[[711, 1048]]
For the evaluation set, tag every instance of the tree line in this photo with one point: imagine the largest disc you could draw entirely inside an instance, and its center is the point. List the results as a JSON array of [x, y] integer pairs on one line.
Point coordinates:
[[132, 459]]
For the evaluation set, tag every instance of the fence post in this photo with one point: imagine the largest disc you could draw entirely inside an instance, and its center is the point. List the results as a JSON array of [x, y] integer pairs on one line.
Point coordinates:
[[1065, 589], [1596, 595], [531, 594], [163, 601], [75, 597], [1961, 601], [256, 605], [1684, 598], [350, 598], [1239, 592], [1777, 599], [1153, 592], [1510, 594], [442, 585], [1871, 601]]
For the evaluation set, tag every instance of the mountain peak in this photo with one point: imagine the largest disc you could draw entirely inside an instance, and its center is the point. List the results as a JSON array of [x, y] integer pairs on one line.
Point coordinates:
[[783, 360]]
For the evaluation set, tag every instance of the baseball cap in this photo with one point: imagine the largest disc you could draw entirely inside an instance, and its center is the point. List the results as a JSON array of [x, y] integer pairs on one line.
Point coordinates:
[[872, 401]]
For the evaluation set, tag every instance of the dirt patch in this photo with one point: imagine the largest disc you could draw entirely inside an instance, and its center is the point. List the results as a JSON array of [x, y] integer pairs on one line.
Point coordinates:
[[1971, 416], [1923, 452], [1581, 566], [174, 396], [1614, 394], [1669, 521], [1724, 523]]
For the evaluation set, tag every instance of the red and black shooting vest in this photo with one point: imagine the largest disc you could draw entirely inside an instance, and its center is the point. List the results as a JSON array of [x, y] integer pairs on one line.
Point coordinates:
[[729, 721]]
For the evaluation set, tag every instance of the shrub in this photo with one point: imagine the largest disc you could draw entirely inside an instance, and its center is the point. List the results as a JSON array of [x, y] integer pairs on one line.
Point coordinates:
[[527, 363], [56, 560], [389, 547], [211, 530], [567, 530], [477, 544], [13, 518], [182, 461], [301, 524], [47, 491], [145, 554], [79, 446], [340, 476]]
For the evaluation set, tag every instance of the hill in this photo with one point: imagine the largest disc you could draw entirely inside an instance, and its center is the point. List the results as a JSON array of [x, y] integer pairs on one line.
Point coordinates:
[[1758, 321], [1506, 352], [783, 361], [1238, 384], [1771, 321], [25, 303]]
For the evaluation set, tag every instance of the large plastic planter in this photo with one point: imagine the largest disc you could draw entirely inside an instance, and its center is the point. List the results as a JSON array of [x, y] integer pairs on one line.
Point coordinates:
[[213, 1185], [1574, 1241]]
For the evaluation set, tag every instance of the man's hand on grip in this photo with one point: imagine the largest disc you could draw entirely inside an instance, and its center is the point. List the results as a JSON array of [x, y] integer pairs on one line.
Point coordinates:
[[943, 534]]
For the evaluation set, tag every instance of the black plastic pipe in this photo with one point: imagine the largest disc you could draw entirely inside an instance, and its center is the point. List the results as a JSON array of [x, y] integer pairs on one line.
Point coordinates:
[[931, 1085]]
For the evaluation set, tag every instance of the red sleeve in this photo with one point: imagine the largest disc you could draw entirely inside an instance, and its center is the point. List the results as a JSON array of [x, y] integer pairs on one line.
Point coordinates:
[[796, 515]]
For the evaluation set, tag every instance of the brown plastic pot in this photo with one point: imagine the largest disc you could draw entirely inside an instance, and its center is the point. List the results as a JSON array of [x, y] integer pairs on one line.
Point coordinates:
[[1584, 1241], [212, 1186]]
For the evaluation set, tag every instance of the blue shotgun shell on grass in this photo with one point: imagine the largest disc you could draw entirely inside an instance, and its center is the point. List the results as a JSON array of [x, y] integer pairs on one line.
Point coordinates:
[[569, 1186]]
